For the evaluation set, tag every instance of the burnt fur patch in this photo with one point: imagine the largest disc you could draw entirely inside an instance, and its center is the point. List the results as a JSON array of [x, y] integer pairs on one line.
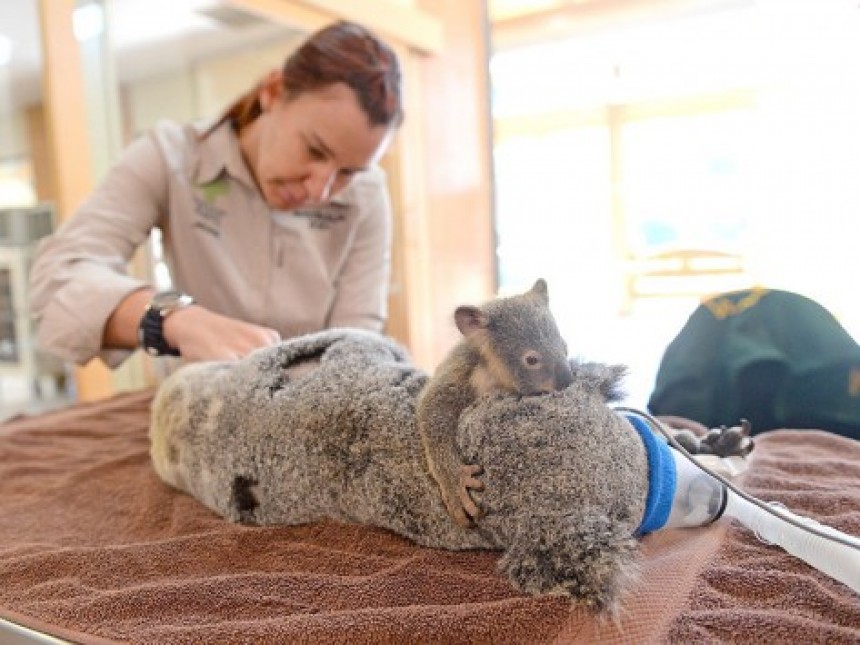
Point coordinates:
[[244, 498]]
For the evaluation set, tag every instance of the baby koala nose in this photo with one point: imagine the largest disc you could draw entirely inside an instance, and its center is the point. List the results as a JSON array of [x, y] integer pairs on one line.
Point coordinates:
[[563, 375]]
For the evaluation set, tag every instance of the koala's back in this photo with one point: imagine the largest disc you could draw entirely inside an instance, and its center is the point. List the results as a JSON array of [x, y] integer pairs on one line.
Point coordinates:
[[583, 474], [566, 478], [584, 451], [338, 442]]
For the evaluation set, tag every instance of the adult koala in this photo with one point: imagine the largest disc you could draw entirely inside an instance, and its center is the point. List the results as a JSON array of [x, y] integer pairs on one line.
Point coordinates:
[[323, 426]]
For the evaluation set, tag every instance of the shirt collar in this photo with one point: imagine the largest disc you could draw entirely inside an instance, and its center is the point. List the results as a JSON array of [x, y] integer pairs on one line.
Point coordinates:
[[219, 152]]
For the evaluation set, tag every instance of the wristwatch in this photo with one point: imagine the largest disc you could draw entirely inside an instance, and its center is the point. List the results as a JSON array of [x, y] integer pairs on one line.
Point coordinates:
[[150, 333]]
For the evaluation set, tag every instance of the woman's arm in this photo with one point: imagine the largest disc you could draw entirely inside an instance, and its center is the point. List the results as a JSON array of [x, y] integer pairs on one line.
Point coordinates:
[[83, 299], [198, 333], [79, 274]]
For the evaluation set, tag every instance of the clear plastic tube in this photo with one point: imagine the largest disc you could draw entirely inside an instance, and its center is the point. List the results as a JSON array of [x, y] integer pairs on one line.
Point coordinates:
[[699, 498], [840, 561]]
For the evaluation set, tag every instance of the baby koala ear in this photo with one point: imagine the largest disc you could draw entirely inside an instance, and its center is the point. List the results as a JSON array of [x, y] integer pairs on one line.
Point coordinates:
[[470, 319], [540, 289]]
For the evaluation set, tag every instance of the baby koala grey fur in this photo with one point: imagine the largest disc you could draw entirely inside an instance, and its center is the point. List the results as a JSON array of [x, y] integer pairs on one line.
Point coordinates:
[[323, 426]]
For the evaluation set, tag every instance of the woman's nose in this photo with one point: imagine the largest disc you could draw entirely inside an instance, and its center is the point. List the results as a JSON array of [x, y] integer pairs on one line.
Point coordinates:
[[320, 184]]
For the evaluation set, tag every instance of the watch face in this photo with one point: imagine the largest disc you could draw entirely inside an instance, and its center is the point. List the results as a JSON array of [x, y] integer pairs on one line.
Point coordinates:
[[151, 330], [168, 301]]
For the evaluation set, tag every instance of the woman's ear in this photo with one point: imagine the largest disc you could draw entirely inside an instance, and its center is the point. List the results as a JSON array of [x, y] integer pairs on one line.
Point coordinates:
[[271, 88]]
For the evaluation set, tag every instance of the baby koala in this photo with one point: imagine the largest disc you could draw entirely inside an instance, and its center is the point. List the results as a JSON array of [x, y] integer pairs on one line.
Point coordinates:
[[509, 345]]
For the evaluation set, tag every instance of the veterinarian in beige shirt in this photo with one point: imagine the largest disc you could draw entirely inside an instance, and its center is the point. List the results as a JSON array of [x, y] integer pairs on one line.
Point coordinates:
[[275, 220]]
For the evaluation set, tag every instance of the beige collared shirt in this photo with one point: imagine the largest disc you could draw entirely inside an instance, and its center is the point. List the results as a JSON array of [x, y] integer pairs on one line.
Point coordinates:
[[297, 272]]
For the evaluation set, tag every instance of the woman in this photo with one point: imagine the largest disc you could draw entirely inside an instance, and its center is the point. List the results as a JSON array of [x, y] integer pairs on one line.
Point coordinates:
[[275, 221]]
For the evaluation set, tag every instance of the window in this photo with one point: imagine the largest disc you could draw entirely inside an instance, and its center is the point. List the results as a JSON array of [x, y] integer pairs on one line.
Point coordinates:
[[725, 137]]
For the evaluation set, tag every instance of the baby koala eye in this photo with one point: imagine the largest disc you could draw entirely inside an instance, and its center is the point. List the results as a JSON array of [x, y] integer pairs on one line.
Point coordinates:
[[532, 359]]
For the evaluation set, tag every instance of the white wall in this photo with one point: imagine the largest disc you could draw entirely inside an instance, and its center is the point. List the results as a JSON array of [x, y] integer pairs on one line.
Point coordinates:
[[799, 58], [201, 89]]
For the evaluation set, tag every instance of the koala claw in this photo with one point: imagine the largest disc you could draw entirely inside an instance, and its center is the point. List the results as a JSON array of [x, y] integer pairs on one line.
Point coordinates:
[[457, 512], [469, 481], [469, 477], [458, 502]]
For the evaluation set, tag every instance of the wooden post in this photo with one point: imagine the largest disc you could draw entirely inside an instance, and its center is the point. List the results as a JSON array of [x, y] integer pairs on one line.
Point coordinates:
[[459, 262], [66, 125]]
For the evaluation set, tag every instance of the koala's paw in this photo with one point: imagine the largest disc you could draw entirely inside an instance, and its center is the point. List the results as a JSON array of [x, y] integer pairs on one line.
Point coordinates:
[[469, 480], [457, 498], [722, 442], [728, 442], [456, 511], [587, 556]]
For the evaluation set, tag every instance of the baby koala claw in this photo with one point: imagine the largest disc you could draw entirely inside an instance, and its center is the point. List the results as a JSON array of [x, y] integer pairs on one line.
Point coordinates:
[[456, 511], [469, 480]]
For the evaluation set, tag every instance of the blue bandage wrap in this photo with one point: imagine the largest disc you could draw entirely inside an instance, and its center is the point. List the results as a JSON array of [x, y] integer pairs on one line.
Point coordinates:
[[662, 478]]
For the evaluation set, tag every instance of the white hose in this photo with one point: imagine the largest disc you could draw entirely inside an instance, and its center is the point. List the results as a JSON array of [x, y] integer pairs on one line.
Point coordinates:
[[697, 501], [837, 560]]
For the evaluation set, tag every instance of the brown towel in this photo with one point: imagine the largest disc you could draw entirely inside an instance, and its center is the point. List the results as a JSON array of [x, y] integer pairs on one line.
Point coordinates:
[[94, 547], [752, 592]]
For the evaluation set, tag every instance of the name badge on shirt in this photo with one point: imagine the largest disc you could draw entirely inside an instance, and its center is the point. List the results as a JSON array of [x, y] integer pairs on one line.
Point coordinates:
[[324, 217], [208, 215]]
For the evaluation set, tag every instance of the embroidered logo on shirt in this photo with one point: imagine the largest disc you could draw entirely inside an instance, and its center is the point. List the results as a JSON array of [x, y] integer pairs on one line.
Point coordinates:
[[324, 217], [214, 189], [209, 215]]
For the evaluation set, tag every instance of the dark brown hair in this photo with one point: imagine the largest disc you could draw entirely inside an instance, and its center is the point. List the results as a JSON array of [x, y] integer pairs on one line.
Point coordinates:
[[343, 52]]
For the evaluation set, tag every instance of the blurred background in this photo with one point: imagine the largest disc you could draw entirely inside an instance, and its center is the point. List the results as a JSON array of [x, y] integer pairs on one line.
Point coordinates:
[[640, 155]]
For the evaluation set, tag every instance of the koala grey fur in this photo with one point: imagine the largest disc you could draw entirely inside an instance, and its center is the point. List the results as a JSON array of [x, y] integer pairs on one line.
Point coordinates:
[[323, 426]]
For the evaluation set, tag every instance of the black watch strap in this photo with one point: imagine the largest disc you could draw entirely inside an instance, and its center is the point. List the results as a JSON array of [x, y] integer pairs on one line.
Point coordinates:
[[151, 335], [151, 329]]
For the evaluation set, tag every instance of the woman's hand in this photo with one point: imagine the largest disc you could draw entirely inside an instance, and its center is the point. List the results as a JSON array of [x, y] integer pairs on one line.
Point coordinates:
[[202, 335]]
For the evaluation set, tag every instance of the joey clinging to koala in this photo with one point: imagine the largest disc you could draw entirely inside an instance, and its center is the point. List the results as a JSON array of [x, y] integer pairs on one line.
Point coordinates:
[[509, 345]]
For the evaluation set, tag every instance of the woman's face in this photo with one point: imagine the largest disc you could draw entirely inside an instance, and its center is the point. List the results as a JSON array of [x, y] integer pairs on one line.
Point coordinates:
[[307, 148]]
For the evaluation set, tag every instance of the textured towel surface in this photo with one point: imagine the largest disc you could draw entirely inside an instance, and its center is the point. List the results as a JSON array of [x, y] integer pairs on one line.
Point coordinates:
[[94, 546], [751, 592]]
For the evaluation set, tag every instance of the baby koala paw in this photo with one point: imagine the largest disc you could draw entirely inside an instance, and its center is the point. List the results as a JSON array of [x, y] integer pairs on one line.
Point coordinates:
[[457, 512], [469, 480], [458, 501]]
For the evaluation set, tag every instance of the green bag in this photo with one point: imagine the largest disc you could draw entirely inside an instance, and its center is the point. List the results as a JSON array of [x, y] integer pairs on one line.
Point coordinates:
[[776, 358]]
